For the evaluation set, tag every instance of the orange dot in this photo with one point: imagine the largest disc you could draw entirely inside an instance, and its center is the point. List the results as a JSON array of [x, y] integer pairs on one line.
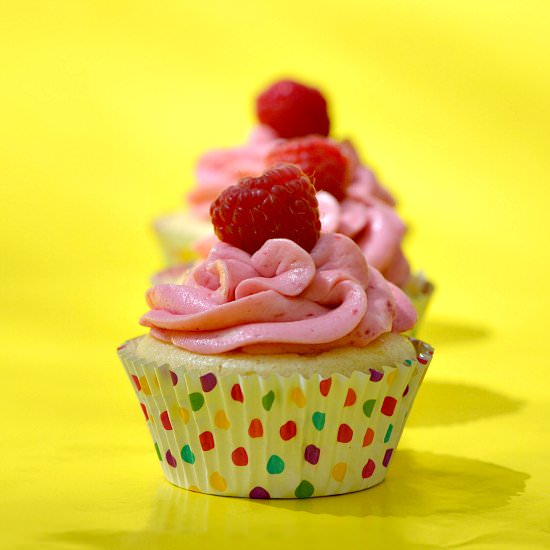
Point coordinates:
[[369, 437], [256, 429], [184, 413], [351, 398]]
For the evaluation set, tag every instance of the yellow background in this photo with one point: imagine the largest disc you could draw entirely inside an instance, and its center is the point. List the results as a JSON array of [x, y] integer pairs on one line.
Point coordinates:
[[105, 105]]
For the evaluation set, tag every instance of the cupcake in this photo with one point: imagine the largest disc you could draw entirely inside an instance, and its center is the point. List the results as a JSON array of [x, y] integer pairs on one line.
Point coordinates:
[[294, 127], [276, 367]]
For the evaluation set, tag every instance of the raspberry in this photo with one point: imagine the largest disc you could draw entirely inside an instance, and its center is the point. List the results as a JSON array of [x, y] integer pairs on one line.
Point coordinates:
[[293, 110], [320, 158], [280, 203]]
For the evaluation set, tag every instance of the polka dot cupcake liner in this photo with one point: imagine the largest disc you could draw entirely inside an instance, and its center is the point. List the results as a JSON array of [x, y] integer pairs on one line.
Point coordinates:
[[275, 436]]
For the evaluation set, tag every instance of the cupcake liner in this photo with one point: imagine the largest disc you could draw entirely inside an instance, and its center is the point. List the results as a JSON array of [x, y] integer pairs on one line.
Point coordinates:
[[274, 436], [178, 237], [420, 291]]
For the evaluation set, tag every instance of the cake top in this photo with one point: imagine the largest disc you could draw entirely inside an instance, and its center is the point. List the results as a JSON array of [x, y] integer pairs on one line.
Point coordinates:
[[275, 284]]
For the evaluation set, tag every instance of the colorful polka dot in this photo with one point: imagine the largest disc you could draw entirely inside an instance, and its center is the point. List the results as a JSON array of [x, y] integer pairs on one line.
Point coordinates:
[[170, 459], [304, 490], [369, 437], [187, 454], [288, 430], [351, 398], [158, 451], [136, 382], [194, 489], [208, 382], [368, 469], [297, 397], [239, 456], [267, 400], [391, 377], [388, 405], [339, 471], [184, 414], [312, 454], [144, 410], [256, 429], [174, 377], [218, 482], [165, 419], [197, 400], [144, 384], [324, 386], [408, 362], [259, 492], [406, 391], [275, 465], [221, 420], [388, 433], [318, 419], [237, 393], [422, 360], [376, 375], [207, 441], [387, 457], [368, 407], [345, 434]]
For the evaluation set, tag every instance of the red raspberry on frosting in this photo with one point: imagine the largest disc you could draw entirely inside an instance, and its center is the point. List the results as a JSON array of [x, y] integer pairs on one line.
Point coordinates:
[[293, 109], [280, 203], [320, 158]]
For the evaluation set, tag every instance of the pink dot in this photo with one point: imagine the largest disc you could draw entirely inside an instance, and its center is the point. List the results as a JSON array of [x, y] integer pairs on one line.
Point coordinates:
[[208, 382], [311, 454], [170, 459], [259, 492]]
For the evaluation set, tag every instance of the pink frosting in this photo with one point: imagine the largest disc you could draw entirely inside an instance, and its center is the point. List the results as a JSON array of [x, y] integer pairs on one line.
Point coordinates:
[[220, 168], [280, 299]]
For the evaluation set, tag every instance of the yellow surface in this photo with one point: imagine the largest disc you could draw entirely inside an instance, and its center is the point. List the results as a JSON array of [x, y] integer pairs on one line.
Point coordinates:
[[103, 108]]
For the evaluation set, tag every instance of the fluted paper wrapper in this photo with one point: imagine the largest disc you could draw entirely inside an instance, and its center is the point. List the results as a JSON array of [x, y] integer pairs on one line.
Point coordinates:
[[275, 436]]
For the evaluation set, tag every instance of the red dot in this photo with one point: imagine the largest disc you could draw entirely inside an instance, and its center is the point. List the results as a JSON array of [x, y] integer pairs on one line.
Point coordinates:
[[165, 419], [136, 382], [324, 386], [256, 429], [388, 406], [368, 469], [369, 437], [174, 377], [288, 430], [345, 434], [144, 409], [239, 456], [406, 391], [207, 441], [351, 398], [421, 360], [237, 393]]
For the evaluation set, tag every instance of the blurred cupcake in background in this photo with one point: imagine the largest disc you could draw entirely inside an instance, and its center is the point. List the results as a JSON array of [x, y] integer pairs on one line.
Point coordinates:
[[294, 127]]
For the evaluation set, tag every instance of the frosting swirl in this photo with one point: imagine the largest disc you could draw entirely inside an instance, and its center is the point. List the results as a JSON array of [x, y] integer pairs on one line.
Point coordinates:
[[280, 299]]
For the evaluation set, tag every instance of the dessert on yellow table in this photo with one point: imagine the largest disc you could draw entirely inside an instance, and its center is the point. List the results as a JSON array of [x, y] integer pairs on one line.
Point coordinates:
[[277, 367], [294, 127]]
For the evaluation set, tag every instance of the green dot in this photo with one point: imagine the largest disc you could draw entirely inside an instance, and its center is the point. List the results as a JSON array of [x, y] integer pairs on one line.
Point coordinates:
[[197, 400], [304, 490], [275, 464], [267, 400], [408, 362], [187, 454], [368, 406], [388, 433], [158, 451], [318, 420]]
